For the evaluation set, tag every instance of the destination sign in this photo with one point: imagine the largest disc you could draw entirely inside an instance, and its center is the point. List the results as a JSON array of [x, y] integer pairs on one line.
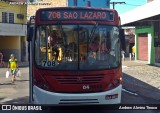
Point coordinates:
[[102, 15]]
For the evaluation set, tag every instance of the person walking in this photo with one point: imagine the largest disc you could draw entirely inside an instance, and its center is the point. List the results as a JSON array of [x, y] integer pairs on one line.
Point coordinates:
[[123, 55], [1, 57], [133, 51], [2, 63], [131, 44], [13, 65]]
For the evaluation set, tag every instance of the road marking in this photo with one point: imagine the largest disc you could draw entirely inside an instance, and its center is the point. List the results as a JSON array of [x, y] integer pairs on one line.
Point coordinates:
[[132, 93], [124, 66], [5, 100]]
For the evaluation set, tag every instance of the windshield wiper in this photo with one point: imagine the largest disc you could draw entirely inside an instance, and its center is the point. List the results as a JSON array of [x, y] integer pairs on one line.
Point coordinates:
[[93, 31]]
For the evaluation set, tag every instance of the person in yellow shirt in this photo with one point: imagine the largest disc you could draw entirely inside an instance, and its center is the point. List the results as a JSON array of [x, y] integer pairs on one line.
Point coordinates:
[[133, 51], [13, 65]]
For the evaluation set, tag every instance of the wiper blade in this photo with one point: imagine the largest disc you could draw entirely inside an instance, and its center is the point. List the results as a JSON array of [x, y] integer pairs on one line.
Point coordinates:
[[92, 32]]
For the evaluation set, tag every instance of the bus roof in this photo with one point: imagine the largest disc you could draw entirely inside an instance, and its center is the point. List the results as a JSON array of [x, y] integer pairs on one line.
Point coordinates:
[[75, 7]]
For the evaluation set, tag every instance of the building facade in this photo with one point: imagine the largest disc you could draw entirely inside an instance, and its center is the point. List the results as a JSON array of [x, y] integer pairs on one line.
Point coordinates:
[[146, 20], [13, 30], [90, 3], [34, 5], [148, 41], [149, 1]]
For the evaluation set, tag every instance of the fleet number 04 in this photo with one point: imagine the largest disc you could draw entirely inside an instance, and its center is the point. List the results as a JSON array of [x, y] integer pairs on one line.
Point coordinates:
[[85, 86]]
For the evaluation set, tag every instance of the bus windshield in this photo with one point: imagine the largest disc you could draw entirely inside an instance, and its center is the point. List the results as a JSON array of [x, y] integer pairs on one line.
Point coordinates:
[[77, 47]]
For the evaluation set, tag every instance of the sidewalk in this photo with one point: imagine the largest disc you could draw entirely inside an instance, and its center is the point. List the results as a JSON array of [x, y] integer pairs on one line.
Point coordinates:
[[127, 62], [3, 70], [141, 78]]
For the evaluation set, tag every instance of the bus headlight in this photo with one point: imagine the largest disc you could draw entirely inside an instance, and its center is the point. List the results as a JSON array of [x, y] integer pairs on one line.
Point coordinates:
[[115, 83]]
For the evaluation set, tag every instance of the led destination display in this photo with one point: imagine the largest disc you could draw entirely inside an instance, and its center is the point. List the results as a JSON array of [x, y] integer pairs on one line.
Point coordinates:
[[77, 15]]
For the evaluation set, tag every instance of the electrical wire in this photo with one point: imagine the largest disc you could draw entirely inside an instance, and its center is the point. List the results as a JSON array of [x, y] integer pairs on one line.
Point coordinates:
[[128, 4], [132, 4]]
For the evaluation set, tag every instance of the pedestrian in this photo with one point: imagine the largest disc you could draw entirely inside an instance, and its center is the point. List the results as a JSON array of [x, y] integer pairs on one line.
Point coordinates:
[[133, 51], [123, 55], [2, 63], [13, 65], [131, 44]]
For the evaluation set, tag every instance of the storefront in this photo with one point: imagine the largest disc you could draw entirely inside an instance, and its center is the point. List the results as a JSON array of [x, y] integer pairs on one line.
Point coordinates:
[[146, 20]]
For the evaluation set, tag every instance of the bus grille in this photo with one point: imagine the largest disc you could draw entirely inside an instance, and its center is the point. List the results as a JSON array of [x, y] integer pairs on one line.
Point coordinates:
[[83, 79]]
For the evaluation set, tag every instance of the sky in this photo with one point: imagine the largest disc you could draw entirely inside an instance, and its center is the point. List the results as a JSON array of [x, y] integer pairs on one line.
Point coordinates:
[[130, 4]]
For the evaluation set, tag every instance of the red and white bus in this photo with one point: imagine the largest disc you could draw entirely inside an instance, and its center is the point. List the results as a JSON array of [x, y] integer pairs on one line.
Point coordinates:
[[75, 56]]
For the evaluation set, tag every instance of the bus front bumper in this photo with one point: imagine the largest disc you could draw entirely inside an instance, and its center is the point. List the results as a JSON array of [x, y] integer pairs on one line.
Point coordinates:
[[108, 97]]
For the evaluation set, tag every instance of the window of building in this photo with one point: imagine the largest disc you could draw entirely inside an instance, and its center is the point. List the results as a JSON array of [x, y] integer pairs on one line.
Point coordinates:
[[89, 3], [75, 2], [11, 17], [4, 17]]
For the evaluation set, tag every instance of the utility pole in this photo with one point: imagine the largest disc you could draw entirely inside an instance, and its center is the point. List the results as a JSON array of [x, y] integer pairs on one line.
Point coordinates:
[[114, 3]]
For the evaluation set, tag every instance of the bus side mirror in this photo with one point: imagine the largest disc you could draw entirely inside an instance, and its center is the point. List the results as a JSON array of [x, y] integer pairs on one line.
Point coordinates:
[[122, 39], [30, 33]]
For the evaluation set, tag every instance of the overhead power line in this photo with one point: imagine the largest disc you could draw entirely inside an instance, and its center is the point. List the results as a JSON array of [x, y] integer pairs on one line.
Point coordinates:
[[132, 4], [114, 3]]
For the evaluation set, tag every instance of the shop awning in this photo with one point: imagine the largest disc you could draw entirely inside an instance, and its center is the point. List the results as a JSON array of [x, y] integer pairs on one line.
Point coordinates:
[[148, 10]]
